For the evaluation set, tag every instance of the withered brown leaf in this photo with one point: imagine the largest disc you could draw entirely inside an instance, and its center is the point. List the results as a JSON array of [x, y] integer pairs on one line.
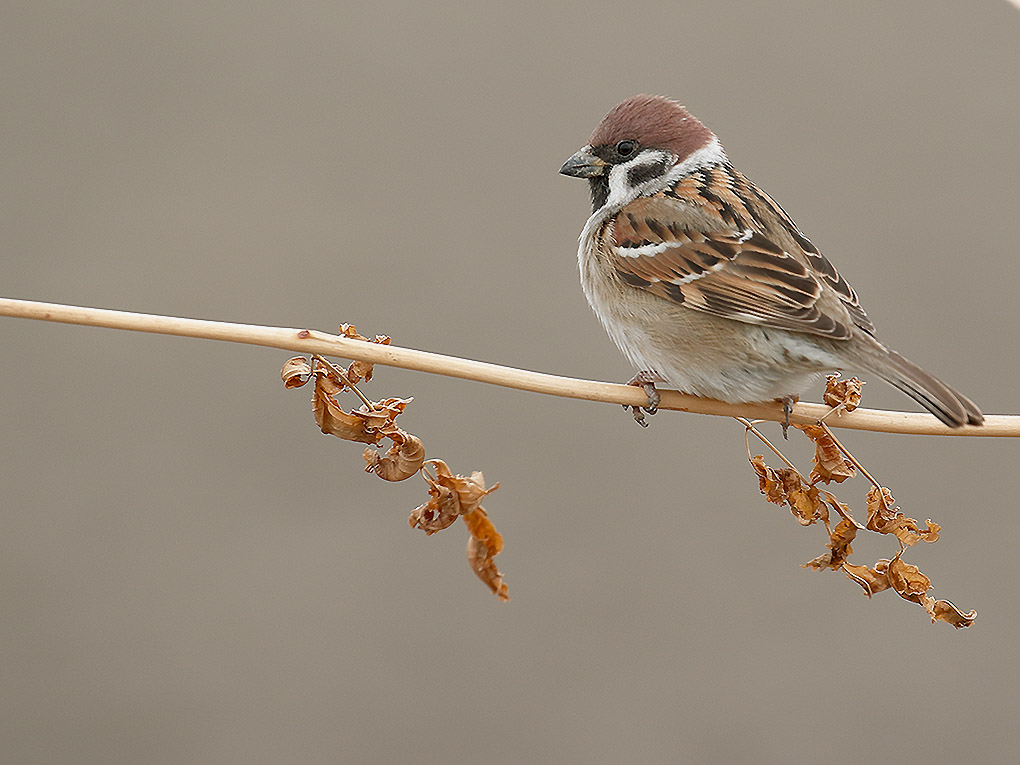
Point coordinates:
[[484, 544], [839, 547], [451, 495], [829, 462], [842, 392], [907, 580], [470, 490], [943, 610], [785, 486], [333, 420], [441, 509], [881, 509], [402, 460], [871, 579], [770, 482], [884, 518], [804, 500], [295, 372]]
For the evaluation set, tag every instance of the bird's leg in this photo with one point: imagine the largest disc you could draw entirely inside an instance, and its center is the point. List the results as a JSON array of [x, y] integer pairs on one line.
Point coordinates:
[[788, 402], [646, 381]]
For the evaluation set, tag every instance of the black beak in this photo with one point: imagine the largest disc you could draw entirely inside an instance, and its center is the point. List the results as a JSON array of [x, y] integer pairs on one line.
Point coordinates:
[[584, 164]]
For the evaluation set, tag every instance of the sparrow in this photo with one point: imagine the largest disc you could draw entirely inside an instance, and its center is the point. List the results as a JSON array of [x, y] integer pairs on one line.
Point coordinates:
[[705, 283]]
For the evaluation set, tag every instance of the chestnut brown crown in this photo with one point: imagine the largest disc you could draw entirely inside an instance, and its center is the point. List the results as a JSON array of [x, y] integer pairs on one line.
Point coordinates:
[[654, 122]]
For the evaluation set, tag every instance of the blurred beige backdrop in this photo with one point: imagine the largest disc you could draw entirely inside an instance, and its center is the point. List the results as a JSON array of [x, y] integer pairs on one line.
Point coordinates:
[[190, 572]]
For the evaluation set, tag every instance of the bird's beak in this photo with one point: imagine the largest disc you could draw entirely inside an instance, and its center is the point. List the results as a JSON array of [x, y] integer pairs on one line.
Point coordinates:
[[584, 164]]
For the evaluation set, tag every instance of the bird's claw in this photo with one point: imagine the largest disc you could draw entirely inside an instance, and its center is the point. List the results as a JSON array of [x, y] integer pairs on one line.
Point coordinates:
[[787, 411], [646, 382]]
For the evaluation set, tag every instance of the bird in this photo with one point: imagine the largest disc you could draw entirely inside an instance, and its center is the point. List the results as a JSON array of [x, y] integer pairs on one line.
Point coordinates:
[[706, 284]]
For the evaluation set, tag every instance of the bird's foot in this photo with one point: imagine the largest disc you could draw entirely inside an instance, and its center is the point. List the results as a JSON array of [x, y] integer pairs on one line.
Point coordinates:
[[646, 381], [788, 402]]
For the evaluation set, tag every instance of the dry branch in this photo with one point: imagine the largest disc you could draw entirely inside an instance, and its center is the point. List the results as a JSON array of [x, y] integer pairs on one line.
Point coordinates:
[[312, 341]]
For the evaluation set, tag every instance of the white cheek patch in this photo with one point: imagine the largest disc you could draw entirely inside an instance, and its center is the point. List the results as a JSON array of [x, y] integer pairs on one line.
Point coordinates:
[[621, 191]]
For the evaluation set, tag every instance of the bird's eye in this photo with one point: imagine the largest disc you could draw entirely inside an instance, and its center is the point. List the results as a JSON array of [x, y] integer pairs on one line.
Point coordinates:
[[626, 148]]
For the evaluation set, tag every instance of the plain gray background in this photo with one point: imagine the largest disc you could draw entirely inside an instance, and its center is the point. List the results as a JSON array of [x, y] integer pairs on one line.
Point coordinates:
[[190, 572]]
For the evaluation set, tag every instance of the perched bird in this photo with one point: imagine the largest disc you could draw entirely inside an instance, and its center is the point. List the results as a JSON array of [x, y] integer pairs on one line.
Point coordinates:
[[706, 284]]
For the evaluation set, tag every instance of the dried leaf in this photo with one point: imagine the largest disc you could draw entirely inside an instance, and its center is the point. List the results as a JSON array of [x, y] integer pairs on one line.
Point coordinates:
[[907, 580], [382, 414], [401, 461], [881, 509], [333, 420], [943, 610], [469, 490], [484, 544], [871, 579], [908, 532], [785, 486], [296, 372], [830, 464], [435, 515], [804, 500], [839, 547], [885, 518], [770, 482], [845, 393], [440, 512]]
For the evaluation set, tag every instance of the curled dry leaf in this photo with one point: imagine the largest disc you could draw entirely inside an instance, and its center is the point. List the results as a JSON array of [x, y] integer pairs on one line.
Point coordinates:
[[454, 495], [871, 579], [884, 518], [470, 490], [295, 372], [382, 414], [907, 580], [770, 482], [785, 486], [829, 462], [909, 534], [943, 610], [484, 544], [441, 510], [805, 502], [839, 547], [845, 393], [881, 508], [333, 420], [450, 494], [401, 461]]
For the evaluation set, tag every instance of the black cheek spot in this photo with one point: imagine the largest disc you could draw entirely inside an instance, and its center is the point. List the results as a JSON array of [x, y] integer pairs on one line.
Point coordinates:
[[644, 173]]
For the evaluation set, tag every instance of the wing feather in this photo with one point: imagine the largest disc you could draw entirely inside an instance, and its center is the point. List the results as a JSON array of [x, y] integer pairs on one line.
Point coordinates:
[[734, 271]]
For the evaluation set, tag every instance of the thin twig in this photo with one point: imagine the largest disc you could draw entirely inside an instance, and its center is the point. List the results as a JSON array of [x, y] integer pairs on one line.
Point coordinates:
[[749, 428], [311, 341]]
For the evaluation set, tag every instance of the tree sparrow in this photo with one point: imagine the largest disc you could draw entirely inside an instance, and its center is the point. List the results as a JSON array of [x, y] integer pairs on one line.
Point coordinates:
[[707, 284]]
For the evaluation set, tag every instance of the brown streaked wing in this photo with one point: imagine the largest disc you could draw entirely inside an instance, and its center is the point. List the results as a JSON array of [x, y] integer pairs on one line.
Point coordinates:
[[818, 262], [734, 273]]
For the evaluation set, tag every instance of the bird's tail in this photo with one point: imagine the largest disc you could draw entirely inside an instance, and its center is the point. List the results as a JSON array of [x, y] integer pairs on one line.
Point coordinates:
[[954, 409]]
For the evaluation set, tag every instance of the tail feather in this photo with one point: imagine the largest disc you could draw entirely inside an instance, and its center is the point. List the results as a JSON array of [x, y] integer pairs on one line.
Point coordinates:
[[954, 409]]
